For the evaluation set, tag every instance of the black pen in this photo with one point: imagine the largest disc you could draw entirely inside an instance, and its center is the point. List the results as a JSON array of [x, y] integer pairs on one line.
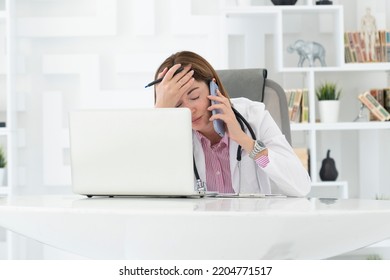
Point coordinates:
[[159, 80]]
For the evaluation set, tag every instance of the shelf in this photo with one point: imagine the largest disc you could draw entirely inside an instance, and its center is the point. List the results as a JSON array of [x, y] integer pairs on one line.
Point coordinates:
[[245, 11], [348, 67], [4, 131], [237, 11], [301, 126], [329, 184], [341, 189], [375, 66], [340, 126]]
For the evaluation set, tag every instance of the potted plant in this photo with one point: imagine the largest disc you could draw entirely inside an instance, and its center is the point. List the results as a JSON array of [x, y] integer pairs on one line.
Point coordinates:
[[3, 164], [328, 99]]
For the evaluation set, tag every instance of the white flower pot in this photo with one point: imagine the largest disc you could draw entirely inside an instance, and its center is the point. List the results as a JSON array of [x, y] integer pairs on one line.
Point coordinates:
[[2, 174], [329, 110], [243, 3]]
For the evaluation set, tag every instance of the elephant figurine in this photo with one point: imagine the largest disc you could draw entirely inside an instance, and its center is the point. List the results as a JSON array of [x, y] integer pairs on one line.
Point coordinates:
[[308, 50]]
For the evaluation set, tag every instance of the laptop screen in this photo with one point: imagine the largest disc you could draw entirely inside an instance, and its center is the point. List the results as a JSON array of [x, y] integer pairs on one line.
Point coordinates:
[[132, 152]]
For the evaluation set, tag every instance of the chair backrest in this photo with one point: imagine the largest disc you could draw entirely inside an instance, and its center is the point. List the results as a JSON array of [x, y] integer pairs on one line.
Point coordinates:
[[249, 83]]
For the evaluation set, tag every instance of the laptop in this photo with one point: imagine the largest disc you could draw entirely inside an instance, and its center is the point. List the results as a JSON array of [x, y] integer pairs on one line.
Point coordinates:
[[135, 152]]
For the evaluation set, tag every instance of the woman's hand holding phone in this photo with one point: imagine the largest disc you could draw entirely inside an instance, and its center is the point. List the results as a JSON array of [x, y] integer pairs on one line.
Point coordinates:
[[222, 111], [219, 125]]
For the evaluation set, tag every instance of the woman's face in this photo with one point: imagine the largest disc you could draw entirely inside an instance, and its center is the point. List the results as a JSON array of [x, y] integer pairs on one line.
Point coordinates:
[[196, 100]]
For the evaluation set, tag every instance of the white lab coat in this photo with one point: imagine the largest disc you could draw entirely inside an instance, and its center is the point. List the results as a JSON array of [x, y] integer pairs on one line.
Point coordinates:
[[284, 174]]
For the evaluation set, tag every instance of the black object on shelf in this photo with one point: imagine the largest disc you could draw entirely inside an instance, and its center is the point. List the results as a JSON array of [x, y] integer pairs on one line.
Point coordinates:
[[2, 124], [284, 2], [328, 171], [324, 2]]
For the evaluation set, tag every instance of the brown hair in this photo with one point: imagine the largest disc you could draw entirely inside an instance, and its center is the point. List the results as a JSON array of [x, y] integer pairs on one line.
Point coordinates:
[[203, 71]]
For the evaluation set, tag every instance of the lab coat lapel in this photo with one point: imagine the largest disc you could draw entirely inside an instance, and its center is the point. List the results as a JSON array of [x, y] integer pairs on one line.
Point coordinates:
[[199, 157], [233, 146]]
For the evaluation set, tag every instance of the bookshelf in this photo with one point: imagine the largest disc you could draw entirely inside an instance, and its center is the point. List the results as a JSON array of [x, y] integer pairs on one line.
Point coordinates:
[[340, 126], [258, 37]]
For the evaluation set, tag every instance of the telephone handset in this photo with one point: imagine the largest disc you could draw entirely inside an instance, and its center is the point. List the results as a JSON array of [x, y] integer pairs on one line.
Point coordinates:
[[219, 125]]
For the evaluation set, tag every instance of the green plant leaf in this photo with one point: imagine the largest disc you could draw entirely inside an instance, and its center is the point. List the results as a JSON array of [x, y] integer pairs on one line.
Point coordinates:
[[3, 162], [328, 91]]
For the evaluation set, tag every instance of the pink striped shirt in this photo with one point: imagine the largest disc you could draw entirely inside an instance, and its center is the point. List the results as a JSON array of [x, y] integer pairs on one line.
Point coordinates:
[[218, 177], [262, 161]]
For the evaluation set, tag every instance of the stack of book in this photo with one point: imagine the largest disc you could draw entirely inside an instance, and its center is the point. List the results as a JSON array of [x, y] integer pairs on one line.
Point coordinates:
[[298, 105], [356, 49], [377, 110]]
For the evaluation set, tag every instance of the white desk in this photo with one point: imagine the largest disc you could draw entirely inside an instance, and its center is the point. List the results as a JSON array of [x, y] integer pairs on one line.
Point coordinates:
[[230, 228]]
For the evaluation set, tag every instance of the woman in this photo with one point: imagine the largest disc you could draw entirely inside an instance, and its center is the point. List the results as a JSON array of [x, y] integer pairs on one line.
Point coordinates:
[[267, 165]]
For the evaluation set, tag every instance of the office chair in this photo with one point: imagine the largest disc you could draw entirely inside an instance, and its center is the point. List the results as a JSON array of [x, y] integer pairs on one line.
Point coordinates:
[[249, 83]]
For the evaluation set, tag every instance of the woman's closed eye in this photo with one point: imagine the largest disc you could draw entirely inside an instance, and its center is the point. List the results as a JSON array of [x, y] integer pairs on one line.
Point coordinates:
[[193, 94], [194, 97]]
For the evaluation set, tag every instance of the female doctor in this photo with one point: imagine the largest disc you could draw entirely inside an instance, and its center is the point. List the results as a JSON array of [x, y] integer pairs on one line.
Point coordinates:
[[267, 164]]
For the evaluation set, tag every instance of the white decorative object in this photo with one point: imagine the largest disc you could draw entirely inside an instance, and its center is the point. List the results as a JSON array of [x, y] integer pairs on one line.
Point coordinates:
[[363, 115], [329, 110], [2, 174], [328, 99], [369, 34], [309, 51]]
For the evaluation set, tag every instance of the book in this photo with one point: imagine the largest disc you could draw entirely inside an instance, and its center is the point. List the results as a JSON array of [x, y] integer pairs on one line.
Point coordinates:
[[348, 42], [382, 39], [296, 110], [388, 45], [377, 55], [305, 106], [386, 97], [358, 46], [347, 49], [378, 95], [291, 95], [298, 105], [374, 106], [355, 47]]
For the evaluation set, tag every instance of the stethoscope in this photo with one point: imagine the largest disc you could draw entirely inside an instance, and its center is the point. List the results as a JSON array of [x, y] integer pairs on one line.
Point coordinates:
[[201, 186]]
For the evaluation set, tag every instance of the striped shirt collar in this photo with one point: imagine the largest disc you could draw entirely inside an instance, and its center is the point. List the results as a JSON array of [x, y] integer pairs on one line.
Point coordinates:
[[224, 142]]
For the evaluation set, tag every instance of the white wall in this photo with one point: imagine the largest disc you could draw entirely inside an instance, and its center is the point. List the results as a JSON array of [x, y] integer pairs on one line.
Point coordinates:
[[77, 54], [93, 54]]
